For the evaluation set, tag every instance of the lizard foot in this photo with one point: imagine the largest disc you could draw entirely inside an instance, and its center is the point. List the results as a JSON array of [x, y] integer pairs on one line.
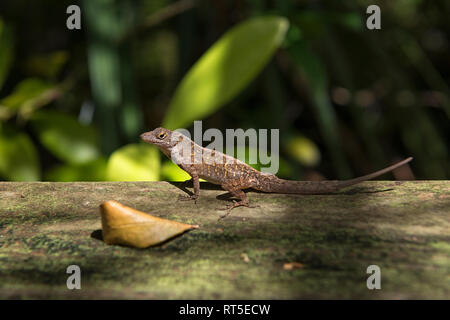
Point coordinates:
[[187, 198], [235, 205]]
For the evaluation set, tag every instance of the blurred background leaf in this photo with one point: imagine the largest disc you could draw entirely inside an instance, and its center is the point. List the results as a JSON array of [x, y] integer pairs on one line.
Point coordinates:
[[225, 69], [25, 92], [134, 162], [90, 171], [18, 157], [171, 172], [119, 115], [65, 137], [304, 151]]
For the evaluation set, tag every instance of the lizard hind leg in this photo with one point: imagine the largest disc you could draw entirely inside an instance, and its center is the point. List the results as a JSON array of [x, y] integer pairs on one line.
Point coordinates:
[[243, 200]]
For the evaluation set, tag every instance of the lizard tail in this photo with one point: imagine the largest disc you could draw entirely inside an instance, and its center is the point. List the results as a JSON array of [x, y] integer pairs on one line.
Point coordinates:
[[276, 185], [373, 175]]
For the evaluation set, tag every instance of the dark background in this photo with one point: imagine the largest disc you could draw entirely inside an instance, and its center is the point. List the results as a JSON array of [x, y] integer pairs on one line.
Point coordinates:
[[347, 100]]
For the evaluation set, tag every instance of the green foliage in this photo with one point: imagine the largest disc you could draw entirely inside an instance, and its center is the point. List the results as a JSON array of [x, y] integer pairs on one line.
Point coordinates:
[[18, 157], [91, 171], [352, 20], [134, 162], [26, 90], [65, 137], [220, 74], [225, 69], [354, 93], [24, 96], [110, 71], [171, 172]]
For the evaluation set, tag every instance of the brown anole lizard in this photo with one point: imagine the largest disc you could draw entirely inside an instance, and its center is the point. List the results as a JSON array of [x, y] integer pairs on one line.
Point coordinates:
[[234, 175]]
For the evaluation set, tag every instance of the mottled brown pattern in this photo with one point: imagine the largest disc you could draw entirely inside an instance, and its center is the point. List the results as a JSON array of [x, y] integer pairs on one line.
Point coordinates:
[[235, 176]]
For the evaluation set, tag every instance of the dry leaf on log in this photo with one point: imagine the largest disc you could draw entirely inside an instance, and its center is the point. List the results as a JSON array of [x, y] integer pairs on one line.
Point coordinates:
[[130, 227]]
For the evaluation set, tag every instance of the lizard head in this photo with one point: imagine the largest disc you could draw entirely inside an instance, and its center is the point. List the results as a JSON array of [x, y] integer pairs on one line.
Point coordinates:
[[160, 137]]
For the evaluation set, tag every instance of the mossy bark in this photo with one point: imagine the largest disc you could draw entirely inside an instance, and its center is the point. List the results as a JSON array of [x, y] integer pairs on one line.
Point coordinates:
[[403, 227]]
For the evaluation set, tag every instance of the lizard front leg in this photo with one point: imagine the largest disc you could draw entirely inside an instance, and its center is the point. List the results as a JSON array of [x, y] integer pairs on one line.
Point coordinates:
[[196, 183]]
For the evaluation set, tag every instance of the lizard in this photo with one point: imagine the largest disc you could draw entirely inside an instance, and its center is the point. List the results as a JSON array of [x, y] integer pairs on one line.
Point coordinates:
[[234, 175]]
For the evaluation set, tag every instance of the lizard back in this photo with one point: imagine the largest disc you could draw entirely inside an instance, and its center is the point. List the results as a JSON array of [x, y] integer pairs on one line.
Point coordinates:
[[212, 165]]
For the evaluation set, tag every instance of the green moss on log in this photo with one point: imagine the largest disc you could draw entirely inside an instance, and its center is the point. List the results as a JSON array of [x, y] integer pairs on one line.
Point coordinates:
[[403, 227]]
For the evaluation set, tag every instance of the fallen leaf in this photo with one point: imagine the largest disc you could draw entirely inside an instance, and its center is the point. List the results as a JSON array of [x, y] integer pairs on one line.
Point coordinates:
[[130, 227], [292, 265]]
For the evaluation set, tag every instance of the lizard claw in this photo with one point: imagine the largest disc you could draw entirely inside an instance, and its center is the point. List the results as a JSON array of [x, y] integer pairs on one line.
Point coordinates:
[[235, 204], [227, 206], [187, 198]]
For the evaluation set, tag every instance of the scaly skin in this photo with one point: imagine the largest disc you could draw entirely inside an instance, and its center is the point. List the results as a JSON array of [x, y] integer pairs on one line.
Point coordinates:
[[234, 175]]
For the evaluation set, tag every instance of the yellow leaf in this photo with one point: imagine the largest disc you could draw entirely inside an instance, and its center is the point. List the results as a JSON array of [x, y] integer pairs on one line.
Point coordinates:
[[130, 227], [304, 150]]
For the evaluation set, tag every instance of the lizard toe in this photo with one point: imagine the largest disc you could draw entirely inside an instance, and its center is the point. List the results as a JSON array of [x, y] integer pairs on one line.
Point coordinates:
[[187, 198]]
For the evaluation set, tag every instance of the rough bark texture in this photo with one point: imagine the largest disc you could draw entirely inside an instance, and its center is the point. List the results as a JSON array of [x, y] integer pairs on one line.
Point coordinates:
[[403, 227]]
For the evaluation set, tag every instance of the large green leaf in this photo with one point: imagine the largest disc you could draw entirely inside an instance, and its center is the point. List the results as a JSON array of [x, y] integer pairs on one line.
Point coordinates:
[[18, 157], [6, 51], [134, 162], [225, 69], [65, 137]]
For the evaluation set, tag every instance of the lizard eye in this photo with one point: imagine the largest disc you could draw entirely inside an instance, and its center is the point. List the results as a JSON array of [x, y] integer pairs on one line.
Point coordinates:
[[162, 135]]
